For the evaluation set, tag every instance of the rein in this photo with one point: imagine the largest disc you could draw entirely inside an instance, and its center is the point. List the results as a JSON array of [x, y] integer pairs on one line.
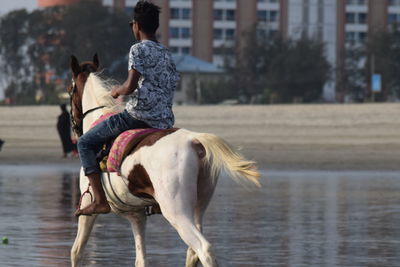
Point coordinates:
[[91, 110], [78, 127]]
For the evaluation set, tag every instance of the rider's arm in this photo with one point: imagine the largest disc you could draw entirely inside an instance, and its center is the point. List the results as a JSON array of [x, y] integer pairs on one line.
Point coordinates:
[[128, 86]]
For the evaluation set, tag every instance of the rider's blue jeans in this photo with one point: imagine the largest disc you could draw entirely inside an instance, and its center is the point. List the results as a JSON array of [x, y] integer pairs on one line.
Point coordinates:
[[93, 140]]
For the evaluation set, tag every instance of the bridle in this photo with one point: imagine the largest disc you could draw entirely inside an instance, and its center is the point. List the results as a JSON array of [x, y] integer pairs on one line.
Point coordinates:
[[77, 127]]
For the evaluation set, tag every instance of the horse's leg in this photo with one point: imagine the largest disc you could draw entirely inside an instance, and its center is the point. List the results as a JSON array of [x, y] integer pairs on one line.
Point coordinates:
[[205, 192], [138, 223], [85, 223], [85, 226], [177, 203], [189, 233], [191, 257]]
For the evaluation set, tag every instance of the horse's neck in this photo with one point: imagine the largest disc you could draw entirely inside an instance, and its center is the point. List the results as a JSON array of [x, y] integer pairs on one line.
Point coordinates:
[[88, 103]]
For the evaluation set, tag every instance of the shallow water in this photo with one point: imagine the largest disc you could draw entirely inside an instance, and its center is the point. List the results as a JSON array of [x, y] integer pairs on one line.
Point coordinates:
[[303, 218]]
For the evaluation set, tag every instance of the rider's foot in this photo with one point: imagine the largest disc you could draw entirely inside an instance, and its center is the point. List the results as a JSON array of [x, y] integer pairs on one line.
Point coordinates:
[[94, 208]]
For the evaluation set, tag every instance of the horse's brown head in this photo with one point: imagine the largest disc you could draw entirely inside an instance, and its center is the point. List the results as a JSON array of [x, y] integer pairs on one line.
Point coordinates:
[[80, 73]]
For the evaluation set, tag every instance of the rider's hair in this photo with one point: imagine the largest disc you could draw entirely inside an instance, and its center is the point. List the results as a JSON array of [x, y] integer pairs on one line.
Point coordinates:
[[147, 15]]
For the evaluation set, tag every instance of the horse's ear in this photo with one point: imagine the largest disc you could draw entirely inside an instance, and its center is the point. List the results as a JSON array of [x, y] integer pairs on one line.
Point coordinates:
[[76, 69], [96, 60]]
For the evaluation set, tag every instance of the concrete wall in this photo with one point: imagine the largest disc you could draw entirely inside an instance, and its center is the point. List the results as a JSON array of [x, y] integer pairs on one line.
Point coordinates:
[[202, 25]]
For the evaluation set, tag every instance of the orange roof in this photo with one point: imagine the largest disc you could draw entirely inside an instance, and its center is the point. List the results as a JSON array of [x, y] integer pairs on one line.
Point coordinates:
[[47, 3]]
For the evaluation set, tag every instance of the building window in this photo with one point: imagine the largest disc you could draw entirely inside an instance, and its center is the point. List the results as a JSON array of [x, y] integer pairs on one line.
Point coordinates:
[[186, 13], [362, 18], [350, 18], [362, 36], [218, 34], [174, 32], [393, 18], [186, 50], [350, 36], [175, 13], [359, 18], [273, 15], [262, 15], [180, 13], [230, 14], [185, 33], [218, 14], [221, 14], [270, 16], [180, 33], [230, 34], [356, 37], [394, 2]]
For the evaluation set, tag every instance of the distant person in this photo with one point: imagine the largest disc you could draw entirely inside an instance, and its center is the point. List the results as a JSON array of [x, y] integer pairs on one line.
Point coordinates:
[[64, 130], [1, 143]]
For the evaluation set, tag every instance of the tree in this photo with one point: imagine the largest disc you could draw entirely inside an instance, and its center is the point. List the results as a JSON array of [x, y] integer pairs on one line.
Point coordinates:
[[14, 65], [297, 69], [283, 69], [354, 76], [35, 47], [383, 49], [246, 67]]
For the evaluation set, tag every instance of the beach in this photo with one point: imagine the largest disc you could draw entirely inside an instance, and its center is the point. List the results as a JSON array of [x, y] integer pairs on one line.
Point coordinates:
[[278, 137], [329, 195]]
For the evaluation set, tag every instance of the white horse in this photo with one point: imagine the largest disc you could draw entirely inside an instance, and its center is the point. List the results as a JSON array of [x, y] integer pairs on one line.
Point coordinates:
[[182, 166]]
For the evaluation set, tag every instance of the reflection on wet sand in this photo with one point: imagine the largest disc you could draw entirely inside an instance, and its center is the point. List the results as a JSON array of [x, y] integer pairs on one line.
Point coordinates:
[[297, 219], [52, 234]]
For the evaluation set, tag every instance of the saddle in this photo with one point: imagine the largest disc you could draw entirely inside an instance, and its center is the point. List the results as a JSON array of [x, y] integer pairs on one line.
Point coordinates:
[[113, 153]]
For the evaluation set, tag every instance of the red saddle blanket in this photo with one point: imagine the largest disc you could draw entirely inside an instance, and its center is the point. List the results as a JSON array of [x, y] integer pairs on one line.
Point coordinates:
[[122, 145]]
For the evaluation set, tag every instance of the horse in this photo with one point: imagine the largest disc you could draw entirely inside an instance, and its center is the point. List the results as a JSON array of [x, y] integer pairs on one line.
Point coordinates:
[[175, 168]]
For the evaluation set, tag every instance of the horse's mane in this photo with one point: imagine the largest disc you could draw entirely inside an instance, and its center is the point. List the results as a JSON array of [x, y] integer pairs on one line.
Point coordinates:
[[101, 87]]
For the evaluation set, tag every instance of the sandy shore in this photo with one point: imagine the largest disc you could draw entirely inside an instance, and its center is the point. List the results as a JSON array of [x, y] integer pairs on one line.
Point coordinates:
[[337, 137]]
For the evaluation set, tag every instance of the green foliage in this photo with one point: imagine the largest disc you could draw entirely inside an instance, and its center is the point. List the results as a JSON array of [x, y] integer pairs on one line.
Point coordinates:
[[354, 76], [272, 68], [14, 34], [214, 92], [383, 50], [296, 69], [247, 68], [32, 44]]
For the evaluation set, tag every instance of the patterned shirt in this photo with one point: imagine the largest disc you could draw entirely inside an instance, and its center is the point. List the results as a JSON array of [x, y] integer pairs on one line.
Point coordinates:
[[152, 100]]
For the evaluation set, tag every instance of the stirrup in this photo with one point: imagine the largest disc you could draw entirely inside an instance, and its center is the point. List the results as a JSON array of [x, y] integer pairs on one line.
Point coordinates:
[[78, 207]]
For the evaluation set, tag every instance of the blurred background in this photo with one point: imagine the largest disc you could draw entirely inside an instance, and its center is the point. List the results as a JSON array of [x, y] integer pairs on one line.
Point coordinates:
[[228, 51]]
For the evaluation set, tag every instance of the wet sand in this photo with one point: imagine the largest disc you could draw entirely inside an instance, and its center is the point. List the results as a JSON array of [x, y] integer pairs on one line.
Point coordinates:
[[300, 218], [287, 137]]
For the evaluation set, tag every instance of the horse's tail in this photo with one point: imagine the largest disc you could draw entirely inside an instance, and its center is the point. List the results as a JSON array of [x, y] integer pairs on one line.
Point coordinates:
[[220, 155]]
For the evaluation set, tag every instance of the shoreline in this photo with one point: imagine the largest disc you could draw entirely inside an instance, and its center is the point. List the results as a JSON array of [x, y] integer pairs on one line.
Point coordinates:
[[276, 157], [277, 137]]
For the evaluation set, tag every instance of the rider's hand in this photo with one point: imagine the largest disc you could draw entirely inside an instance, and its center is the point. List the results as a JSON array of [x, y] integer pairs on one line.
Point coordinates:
[[114, 92]]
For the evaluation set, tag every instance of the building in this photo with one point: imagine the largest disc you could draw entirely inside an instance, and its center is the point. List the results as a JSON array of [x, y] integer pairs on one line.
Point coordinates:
[[194, 72], [48, 3], [201, 28]]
